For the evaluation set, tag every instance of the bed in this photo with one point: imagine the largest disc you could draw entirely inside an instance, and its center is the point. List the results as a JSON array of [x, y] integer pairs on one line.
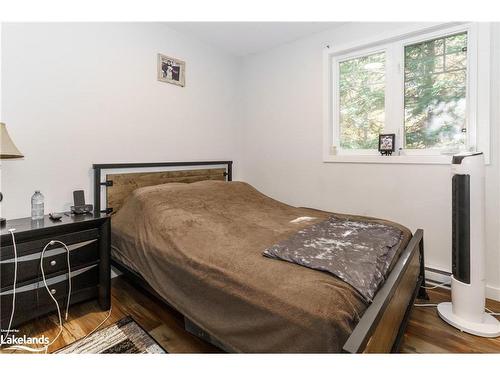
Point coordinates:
[[195, 239]]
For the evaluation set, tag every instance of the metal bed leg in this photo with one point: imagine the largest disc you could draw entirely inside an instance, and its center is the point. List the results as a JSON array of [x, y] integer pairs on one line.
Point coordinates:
[[422, 292]]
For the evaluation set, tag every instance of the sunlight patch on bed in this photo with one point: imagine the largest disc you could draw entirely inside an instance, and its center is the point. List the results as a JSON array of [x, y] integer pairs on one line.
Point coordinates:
[[301, 219]]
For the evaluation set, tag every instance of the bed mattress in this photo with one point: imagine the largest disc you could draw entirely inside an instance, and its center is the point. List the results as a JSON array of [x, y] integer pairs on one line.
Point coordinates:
[[200, 245]]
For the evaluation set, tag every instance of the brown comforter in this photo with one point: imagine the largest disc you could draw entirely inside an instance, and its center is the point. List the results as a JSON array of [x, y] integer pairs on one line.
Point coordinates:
[[200, 247]]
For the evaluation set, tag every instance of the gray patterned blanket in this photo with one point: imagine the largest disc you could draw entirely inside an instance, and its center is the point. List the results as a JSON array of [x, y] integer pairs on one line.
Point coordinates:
[[360, 253]]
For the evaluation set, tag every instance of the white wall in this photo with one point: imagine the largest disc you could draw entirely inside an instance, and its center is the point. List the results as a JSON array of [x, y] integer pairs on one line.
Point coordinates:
[[282, 151], [76, 94]]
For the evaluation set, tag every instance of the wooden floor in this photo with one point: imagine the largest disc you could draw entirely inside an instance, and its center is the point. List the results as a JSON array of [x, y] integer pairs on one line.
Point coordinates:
[[426, 332]]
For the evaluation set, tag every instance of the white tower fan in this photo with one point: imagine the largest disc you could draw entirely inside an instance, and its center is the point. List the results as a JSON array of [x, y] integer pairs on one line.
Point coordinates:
[[468, 286]]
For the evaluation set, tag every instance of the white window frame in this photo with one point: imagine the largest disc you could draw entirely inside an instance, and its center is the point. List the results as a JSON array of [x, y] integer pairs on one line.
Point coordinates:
[[337, 59], [478, 95]]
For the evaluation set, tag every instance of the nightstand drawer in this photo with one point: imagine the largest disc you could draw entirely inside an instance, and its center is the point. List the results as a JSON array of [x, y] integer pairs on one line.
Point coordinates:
[[36, 246], [88, 239], [28, 266], [32, 299]]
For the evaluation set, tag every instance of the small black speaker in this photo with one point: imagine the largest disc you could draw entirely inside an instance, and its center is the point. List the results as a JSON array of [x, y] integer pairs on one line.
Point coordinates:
[[78, 198], [80, 207]]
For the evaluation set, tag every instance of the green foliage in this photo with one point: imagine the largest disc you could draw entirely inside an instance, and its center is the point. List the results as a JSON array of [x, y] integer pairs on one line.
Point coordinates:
[[435, 79], [435, 91], [362, 101]]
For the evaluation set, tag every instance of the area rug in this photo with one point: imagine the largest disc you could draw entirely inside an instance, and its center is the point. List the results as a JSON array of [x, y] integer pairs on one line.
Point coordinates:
[[124, 337]]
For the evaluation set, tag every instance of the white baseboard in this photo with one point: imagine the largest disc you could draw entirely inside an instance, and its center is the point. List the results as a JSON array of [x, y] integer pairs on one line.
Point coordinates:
[[440, 276], [437, 276], [493, 292]]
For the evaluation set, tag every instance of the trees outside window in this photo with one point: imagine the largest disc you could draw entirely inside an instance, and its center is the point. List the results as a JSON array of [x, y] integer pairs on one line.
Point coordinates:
[[415, 88], [362, 101], [435, 93]]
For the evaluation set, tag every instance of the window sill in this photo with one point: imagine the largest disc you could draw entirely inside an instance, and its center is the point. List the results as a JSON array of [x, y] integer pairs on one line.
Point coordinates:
[[395, 159]]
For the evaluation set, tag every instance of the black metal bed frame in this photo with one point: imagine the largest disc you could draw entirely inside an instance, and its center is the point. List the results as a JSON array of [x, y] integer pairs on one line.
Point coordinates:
[[360, 336], [98, 168]]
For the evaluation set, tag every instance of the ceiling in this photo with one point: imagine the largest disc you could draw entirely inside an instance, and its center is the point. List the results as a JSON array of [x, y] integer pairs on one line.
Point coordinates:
[[245, 38]]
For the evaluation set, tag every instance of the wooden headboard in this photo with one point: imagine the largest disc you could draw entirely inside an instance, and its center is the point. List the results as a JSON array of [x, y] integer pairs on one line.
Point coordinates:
[[119, 185]]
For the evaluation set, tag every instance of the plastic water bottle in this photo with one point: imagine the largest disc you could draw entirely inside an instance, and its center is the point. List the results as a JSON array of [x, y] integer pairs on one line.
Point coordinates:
[[37, 209]]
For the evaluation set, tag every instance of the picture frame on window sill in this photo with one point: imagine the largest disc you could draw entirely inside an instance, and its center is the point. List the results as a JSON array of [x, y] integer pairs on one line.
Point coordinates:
[[386, 144], [171, 70]]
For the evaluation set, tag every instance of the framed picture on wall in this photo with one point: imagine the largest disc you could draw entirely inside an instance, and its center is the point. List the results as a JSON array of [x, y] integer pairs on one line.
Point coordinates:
[[171, 70]]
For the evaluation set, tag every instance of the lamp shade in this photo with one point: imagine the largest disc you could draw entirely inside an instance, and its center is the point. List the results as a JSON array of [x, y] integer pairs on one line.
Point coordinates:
[[8, 149]]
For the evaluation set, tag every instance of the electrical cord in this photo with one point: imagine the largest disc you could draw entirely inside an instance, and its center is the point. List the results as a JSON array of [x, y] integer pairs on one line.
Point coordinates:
[[492, 312], [436, 286], [447, 284], [69, 278], [46, 347], [15, 282], [100, 324], [35, 350]]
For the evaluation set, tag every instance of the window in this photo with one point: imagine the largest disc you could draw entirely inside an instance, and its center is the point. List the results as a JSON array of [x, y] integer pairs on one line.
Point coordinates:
[[421, 85], [362, 101], [435, 79]]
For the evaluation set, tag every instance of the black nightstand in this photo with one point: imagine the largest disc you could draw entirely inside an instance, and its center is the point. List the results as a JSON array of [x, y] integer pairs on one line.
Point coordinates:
[[88, 239]]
